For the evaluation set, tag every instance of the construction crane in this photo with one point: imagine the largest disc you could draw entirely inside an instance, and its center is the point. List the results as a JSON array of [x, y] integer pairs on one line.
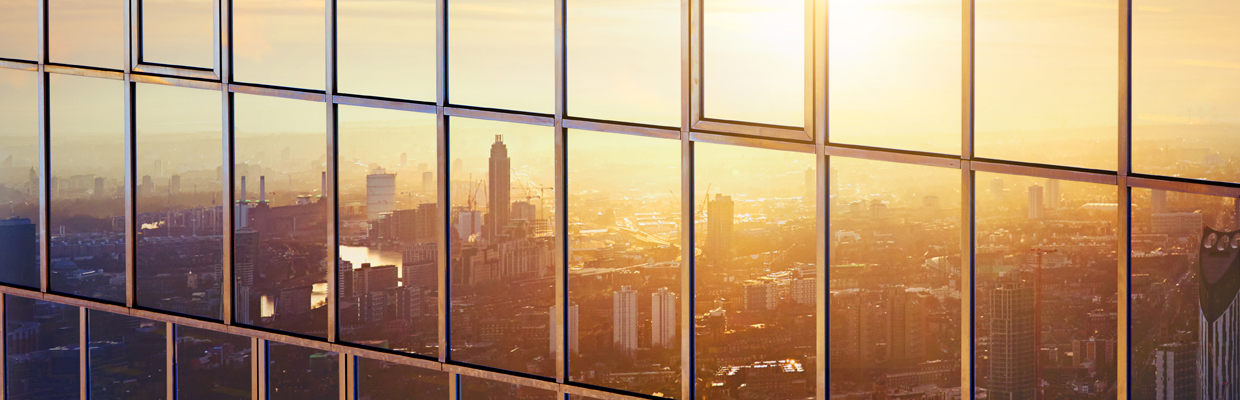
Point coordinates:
[[705, 202]]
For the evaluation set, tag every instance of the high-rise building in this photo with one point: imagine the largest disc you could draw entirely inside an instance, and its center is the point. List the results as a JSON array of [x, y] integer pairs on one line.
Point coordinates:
[[1052, 194], [499, 190], [624, 320], [1218, 354], [428, 183], [1158, 201], [19, 252], [663, 307], [370, 279], [174, 184], [1035, 202], [1175, 371], [380, 193], [996, 189], [761, 295], [906, 326], [344, 279], [1012, 352], [294, 301], [719, 218]]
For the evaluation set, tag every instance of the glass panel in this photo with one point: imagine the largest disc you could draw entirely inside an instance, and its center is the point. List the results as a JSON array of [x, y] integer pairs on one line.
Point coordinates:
[[19, 177], [389, 214], [42, 349], [378, 380], [127, 357], [895, 280], [1184, 325], [386, 48], [179, 32], [87, 188], [502, 266], [280, 237], [87, 32], [179, 207], [624, 60], [503, 54], [20, 30], [212, 365], [279, 42], [754, 61], [481, 389], [624, 262], [300, 373], [1046, 82], [1186, 88], [877, 97], [1045, 288], [755, 224]]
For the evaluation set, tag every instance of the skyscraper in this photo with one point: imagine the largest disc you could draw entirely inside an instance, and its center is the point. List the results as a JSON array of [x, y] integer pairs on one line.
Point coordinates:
[[719, 216], [1035, 202], [1012, 350], [499, 189], [663, 318], [1052, 194], [1218, 350], [624, 320], [1175, 371], [380, 193]]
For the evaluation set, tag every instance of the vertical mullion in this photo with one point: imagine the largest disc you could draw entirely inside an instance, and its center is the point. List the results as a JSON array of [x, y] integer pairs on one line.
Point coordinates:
[[256, 355], [349, 383], [4, 350], [83, 357], [261, 365], [223, 50], [967, 226], [333, 226], [343, 382], [816, 126], [130, 195], [44, 233], [966, 80], [442, 234], [691, 53], [688, 115], [170, 367], [561, 196], [441, 54], [454, 386], [1124, 219], [133, 26]]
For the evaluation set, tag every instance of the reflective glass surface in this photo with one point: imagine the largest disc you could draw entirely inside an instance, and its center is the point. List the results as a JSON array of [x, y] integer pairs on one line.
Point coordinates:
[[754, 61], [300, 373], [41, 349], [503, 54], [876, 99], [1046, 82], [280, 216], [1186, 88], [624, 60], [19, 178], [389, 246], [895, 270], [624, 262], [127, 357], [481, 389], [212, 365], [87, 188], [502, 245], [87, 32], [386, 48], [19, 29], [279, 42], [378, 380], [179, 185], [755, 230], [1044, 288], [178, 32], [1183, 292]]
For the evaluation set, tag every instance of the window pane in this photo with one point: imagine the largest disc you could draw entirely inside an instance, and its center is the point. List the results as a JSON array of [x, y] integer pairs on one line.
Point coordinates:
[[300, 373], [895, 74], [503, 54], [87, 32], [127, 357], [19, 145], [754, 213], [895, 280], [378, 380], [389, 235], [1186, 88], [624, 262], [754, 57], [87, 188], [42, 358], [481, 389], [178, 32], [1046, 82], [19, 28], [212, 365], [624, 60], [1179, 319], [502, 266], [386, 48], [179, 204], [1045, 288], [279, 42], [280, 238]]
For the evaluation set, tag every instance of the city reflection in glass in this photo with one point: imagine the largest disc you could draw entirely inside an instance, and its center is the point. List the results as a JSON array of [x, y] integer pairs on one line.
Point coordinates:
[[212, 365], [379, 380], [42, 354], [502, 242], [301, 373], [481, 389], [19, 178], [127, 357], [389, 245], [755, 295], [1044, 288], [87, 187]]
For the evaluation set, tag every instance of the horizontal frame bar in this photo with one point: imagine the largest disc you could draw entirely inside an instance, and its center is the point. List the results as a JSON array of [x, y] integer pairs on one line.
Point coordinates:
[[175, 71], [1182, 186], [890, 156], [769, 144], [611, 127], [1044, 172], [496, 115], [384, 104], [179, 82], [776, 132], [87, 72], [22, 65], [275, 92]]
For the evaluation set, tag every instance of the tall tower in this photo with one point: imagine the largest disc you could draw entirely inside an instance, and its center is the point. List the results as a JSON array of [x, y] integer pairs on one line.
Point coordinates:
[[380, 193], [663, 319], [1052, 194], [499, 189], [624, 320], [719, 216], [1011, 341], [1218, 350], [1035, 202]]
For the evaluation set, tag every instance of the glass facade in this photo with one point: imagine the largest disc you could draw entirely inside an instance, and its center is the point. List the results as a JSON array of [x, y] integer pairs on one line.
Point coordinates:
[[706, 199]]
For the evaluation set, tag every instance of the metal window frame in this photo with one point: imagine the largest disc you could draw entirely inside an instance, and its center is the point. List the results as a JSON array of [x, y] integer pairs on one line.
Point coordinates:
[[136, 62]]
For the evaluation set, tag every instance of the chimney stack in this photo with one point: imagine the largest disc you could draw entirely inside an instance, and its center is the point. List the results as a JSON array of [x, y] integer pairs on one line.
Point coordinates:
[[323, 186], [242, 199], [262, 189]]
